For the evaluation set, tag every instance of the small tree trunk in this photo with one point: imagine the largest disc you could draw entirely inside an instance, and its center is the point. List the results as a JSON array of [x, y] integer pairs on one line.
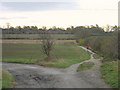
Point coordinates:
[[48, 56]]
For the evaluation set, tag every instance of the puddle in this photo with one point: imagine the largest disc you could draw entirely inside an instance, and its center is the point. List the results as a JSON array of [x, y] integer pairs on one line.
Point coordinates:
[[30, 67]]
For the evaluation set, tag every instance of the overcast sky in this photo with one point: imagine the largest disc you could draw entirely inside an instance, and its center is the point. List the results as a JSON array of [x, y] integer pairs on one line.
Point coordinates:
[[60, 13]]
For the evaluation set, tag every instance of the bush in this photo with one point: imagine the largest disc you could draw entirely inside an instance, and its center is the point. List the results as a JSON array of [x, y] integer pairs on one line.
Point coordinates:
[[110, 47], [95, 43], [105, 46], [81, 42]]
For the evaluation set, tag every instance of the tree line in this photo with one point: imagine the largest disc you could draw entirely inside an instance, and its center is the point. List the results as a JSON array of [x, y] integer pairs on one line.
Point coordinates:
[[54, 30]]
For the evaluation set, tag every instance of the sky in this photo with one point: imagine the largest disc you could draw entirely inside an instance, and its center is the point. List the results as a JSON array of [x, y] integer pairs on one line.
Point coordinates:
[[60, 13]]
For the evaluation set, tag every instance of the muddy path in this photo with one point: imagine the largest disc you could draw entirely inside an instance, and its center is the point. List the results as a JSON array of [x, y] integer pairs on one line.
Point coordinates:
[[34, 76]]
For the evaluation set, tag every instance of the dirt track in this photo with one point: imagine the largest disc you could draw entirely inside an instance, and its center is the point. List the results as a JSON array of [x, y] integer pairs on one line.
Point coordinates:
[[34, 76]]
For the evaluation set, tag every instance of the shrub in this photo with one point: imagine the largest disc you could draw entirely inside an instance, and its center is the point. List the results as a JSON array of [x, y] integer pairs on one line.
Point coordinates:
[[105, 46], [81, 42]]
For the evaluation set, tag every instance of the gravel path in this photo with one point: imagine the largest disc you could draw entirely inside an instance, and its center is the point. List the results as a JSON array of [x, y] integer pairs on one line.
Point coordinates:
[[34, 76]]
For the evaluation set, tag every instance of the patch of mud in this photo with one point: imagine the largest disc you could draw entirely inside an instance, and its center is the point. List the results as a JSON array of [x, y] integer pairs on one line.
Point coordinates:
[[30, 79]]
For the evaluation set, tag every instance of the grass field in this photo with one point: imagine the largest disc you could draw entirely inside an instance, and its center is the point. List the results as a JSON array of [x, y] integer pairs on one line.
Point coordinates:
[[38, 41], [96, 56], [7, 79], [62, 55], [85, 66], [36, 36], [109, 72], [99, 36]]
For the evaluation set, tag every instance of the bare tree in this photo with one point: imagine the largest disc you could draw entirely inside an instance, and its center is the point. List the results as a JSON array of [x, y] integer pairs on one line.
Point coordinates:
[[47, 44], [108, 28], [8, 25]]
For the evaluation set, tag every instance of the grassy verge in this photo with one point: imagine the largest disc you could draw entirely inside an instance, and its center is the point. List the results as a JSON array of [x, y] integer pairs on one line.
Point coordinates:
[[62, 55], [96, 56], [109, 72], [0, 78], [7, 79], [85, 66]]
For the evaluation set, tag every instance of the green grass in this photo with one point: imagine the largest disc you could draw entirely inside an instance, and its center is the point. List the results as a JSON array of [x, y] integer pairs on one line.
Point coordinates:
[[0, 78], [109, 72], [36, 36], [7, 79], [96, 56], [62, 55], [99, 36], [85, 66]]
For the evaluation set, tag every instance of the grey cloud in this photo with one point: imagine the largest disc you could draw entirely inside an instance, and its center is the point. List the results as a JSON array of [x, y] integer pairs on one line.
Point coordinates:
[[7, 18], [38, 6]]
